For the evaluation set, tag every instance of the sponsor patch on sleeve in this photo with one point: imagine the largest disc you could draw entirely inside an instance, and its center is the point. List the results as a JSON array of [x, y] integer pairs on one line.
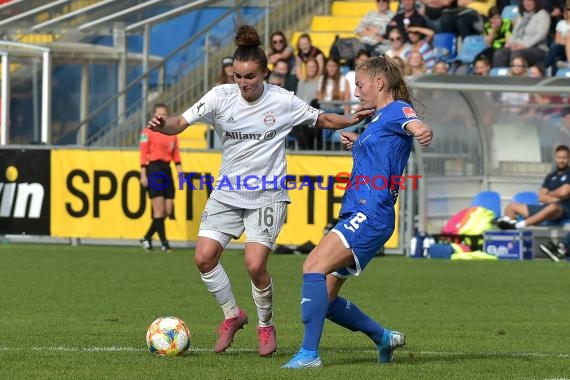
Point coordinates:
[[144, 137], [409, 112]]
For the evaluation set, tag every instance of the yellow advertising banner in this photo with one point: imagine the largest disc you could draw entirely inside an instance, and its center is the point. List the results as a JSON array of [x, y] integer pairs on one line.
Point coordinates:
[[97, 194]]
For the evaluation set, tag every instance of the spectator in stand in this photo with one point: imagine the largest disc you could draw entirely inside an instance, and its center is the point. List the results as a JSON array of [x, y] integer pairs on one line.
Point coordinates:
[[452, 16], [529, 36], [398, 47], [372, 28], [440, 68], [554, 196], [420, 38], [514, 101], [276, 79], [538, 101], [280, 49], [333, 86], [281, 67], [481, 66], [306, 50], [227, 74], [307, 90], [308, 87], [408, 15], [497, 30], [536, 71], [400, 62], [415, 65], [555, 9], [558, 49]]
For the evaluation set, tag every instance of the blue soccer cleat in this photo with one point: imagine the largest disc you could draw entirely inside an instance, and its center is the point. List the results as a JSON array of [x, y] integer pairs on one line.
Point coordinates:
[[390, 341], [304, 359]]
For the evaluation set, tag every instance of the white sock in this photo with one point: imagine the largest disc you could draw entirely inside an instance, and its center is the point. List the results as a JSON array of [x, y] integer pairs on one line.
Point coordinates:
[[521, 224], [506, 218], [264, 301], [218, 283]]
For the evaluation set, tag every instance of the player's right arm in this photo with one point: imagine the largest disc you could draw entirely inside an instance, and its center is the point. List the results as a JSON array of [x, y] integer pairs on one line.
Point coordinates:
[[170, 126], [203, 110]]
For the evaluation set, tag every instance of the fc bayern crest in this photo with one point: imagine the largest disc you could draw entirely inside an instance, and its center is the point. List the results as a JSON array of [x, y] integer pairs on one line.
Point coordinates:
[[270, 119]]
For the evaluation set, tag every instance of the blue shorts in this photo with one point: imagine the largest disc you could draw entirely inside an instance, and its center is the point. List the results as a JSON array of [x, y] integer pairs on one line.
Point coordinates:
[[534, 209], [364, 237]]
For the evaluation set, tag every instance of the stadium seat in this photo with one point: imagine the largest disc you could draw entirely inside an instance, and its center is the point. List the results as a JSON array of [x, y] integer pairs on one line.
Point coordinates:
[[563, 72], [334, 24], [499, 71], [526, 197], [489, 199], [482, 6], [359, 8], [444, 45], [471, 48], [510, 12], [352, 8]]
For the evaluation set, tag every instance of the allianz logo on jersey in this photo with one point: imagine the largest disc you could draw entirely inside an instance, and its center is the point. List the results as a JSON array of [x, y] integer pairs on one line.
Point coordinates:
[[250, 136], [20, 200]]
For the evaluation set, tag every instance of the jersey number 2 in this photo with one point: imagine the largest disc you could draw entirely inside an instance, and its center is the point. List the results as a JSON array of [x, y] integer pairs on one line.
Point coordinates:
[[355, 222]]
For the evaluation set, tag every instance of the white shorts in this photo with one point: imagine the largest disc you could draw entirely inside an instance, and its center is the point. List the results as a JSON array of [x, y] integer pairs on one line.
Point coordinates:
[[223, 222]]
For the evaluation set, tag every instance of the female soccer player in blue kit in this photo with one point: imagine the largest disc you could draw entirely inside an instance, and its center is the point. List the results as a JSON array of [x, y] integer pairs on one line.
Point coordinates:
[[367, 214]]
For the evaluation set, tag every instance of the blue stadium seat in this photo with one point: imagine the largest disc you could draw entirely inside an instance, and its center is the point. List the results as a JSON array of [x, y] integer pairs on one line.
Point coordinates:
[[489, 199], [526, 197], [510, 12], [499, 71], [563, 72], [444, 46], [471, 48]]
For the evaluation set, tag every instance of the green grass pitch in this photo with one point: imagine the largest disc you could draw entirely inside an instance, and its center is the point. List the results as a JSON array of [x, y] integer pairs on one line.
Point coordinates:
[[82, 312]]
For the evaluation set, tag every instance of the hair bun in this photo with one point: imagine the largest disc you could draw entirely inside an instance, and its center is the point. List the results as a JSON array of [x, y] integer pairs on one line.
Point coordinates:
[[246, 35]]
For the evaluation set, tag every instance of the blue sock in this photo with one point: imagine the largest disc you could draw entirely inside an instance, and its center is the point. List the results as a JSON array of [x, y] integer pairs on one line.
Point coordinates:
[[349, 316], [314, 304]]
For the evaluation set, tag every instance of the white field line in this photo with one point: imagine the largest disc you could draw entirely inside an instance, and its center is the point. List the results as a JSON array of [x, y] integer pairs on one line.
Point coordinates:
[[194, 349]]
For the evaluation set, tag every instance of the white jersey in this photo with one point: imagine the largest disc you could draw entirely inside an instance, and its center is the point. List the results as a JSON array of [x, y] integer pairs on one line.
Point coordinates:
[[253, 169]]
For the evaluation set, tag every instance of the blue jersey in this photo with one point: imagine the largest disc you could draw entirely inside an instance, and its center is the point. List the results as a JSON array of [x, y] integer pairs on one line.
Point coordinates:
[[380, 155], [555, 180]]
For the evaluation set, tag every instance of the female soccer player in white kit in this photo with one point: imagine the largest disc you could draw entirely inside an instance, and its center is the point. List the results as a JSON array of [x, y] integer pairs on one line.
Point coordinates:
[[252, 119]]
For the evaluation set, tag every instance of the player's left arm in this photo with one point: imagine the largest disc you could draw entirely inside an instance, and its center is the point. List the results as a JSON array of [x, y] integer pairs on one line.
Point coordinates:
[[420, 131]]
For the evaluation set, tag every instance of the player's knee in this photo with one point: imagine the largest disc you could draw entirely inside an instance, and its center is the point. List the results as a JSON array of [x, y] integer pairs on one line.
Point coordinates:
[[255, 269], [311, 265], [205, 262]]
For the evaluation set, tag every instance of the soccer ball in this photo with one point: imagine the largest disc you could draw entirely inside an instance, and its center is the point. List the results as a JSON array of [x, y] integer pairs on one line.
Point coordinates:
[[168, 336]]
